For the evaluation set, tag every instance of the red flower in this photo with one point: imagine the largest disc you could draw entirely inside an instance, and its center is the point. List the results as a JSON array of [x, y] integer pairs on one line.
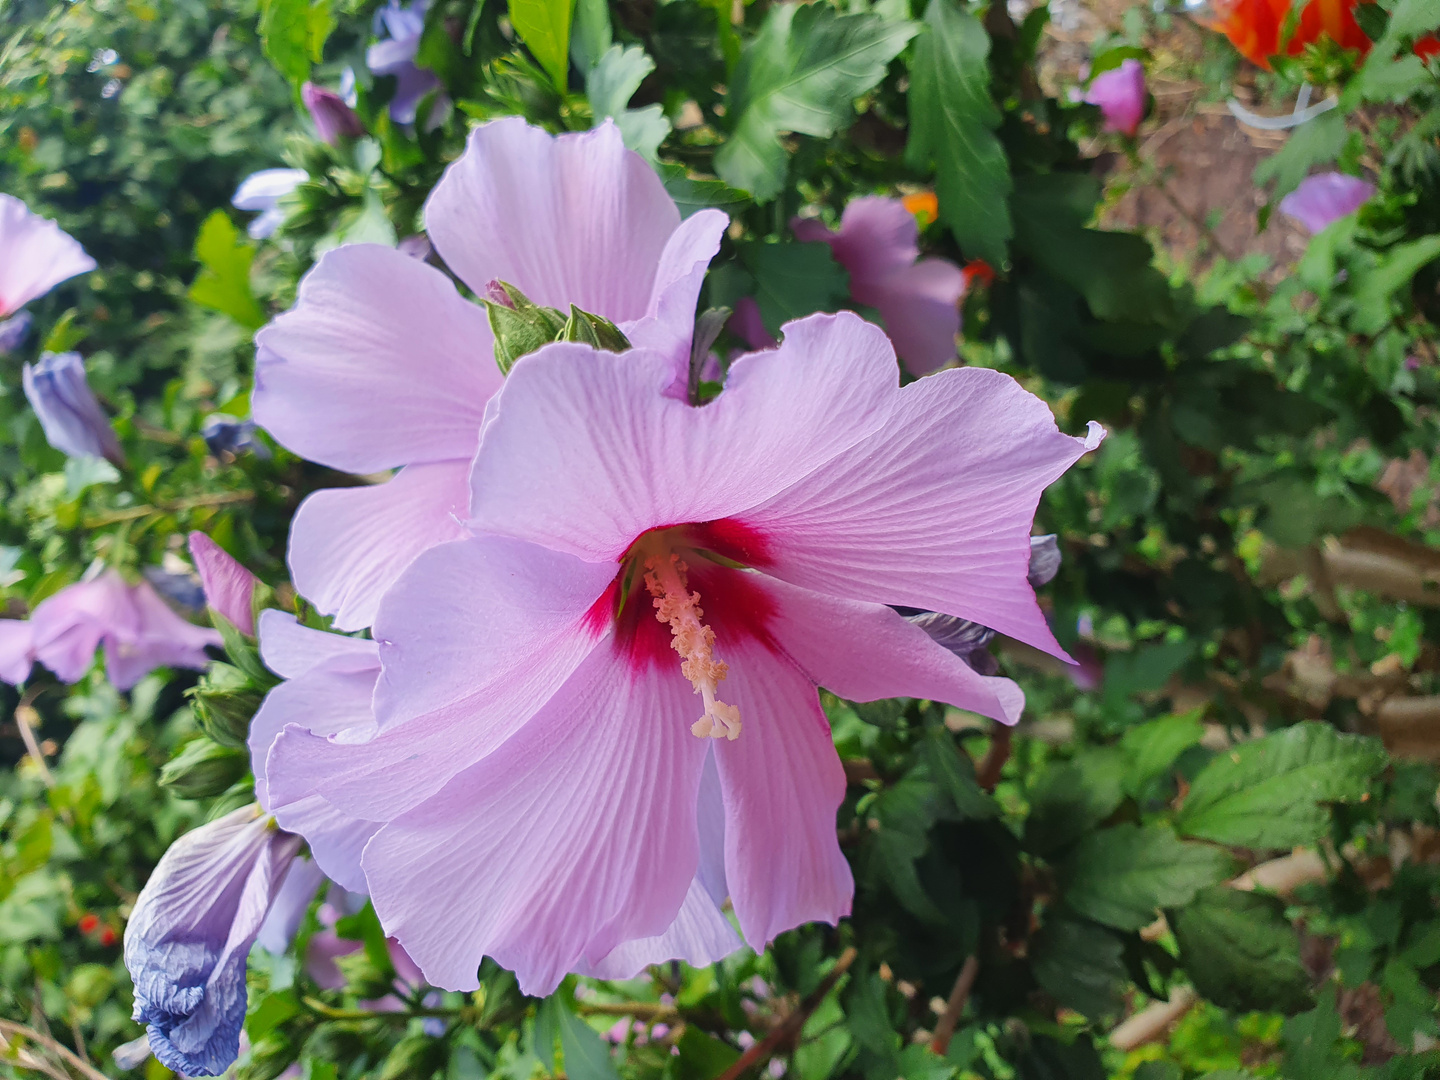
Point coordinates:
[[1428, 47], [88, 922], [1254, 26], [107, 937], [977, 270]]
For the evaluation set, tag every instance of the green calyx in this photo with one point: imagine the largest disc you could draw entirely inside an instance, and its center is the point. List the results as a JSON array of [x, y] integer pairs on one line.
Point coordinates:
[[521, 326]]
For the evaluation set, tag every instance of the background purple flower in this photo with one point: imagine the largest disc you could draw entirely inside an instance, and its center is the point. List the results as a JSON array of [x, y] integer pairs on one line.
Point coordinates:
[[1325, 198], [73, 421], [35, 255], [1120, 93], [395, 56], [14, 331], [190, 933], [262, 192], [225, 434], [334, 120]]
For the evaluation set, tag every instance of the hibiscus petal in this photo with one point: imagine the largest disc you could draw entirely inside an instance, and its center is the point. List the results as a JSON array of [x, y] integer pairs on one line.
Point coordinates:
[[921, 308], [380, 363], [336, 840], [669, 321], [348, 545], [68, 626], [302, 882], [782, 782], [585, 451], [865, 652], [935, 510], [229, 587], [161, 639], [475, 636], [17, 650], [700, 935], [38, 255], [290, 649], [574, 836], [573, 219]]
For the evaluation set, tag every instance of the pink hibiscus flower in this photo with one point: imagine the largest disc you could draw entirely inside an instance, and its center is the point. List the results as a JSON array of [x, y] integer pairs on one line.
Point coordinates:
[[533, 756], [1120, 94], [383, 365], [229, 587], [919, 299], [137, 628], [1325, 198], [35, 255]]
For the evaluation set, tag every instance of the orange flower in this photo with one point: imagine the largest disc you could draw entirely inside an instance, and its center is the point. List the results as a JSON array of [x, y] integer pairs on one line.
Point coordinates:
[[1254, 26], [924, 205]]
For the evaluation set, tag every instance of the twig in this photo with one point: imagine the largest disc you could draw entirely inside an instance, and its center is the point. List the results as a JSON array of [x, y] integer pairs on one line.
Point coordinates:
[[25, 715], [988, 774], [790, 1027], [959, 994], [648, 1010], [1150, 1023], [332, 1013], [60, 1050]]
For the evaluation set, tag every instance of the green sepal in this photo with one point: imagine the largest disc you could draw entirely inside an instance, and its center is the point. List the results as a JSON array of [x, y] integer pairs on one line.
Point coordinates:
[[225, 700], [203, 768]]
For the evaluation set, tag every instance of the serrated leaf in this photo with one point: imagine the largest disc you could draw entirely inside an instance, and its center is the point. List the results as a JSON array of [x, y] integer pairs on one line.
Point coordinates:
[[1373, 287], [1270, 793], [544, 27], [954, 772], [1073, 796], [692, 193], [801, 73], [1080, 964], [1121, 876], [794, 280], [223, 283], [1241, 953], [952, 125], [611, 83], [1152, 747]]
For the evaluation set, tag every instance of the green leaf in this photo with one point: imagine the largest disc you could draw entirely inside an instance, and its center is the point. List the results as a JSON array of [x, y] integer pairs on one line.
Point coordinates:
[[801, 73], [1121, 876], [1372, 287], [293, 35], [702, 1056], [1317, 143], [954, 772], [1073, 796], [1153, 747], [1241, 952], [590, 35], [84, 472], [611, 83], [1269, 793], [586, 1056], [794, 280], [223, 283], [1080, 964], [692, 193], [952, 125], [544, 27]]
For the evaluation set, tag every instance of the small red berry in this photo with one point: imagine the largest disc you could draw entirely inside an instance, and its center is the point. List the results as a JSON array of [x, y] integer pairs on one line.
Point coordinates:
[[107, 937], [88, 922]]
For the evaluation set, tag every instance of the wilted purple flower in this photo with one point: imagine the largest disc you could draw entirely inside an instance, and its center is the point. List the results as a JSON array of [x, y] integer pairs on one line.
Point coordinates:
[[1120, 93], [224, 434], [396, 56], [73, 420], [879, 244], [35, 255], [137, 628], [262, 192], [334, 120], [1325, 198], [229, 587], [191, 931], [181, 588], [14, 331], [382, 365]]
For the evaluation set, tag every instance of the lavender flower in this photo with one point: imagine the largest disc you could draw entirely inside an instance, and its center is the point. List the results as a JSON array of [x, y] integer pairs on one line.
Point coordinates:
[[68, 411], [230, 435], [262, 191], [35, 255], [396, 56], [14, 331], [1325, 198], [334, 120], [1120, 94], [191, 931]]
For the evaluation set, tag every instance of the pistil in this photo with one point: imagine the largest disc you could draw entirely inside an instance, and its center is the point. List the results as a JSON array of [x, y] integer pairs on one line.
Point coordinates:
[[676, 605]]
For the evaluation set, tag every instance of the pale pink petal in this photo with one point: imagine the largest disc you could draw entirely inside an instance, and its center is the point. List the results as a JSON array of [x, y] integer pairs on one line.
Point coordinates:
[[921, 308], [700, 935], [865, 652], [935, 510], [585, 452], [669, 321], [710, 813], [574, 836], [17, 650], [161, 639], [229, 587], [336, 840], [348, 545], [290, 649], [1325, 198], [1120, 93], [782, 783], [748, 325], [35, 255], [574, 219], [379, 364], [475, 637], [69, 626]]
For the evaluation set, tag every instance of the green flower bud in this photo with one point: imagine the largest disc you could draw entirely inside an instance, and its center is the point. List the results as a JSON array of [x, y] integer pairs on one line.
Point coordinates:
[[269, 1057], [225, 701], [203, 768], [521, 326], [415, 1057], [363, 977]]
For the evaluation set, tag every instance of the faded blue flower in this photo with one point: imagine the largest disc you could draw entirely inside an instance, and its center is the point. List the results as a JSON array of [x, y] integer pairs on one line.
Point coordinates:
[[72, 418], [14, 331], [262, 192], [396, 56], [969, 640], [181, 589], [191, 931], [230, 435]]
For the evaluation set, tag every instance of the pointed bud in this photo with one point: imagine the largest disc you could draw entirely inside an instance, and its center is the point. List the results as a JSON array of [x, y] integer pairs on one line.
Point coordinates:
[[594, 330], [72, 418], [229, 587], [334, 120], [203, 768]]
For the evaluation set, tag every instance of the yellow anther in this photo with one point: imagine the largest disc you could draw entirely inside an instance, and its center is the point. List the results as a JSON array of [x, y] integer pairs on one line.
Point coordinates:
[[676, 605]]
